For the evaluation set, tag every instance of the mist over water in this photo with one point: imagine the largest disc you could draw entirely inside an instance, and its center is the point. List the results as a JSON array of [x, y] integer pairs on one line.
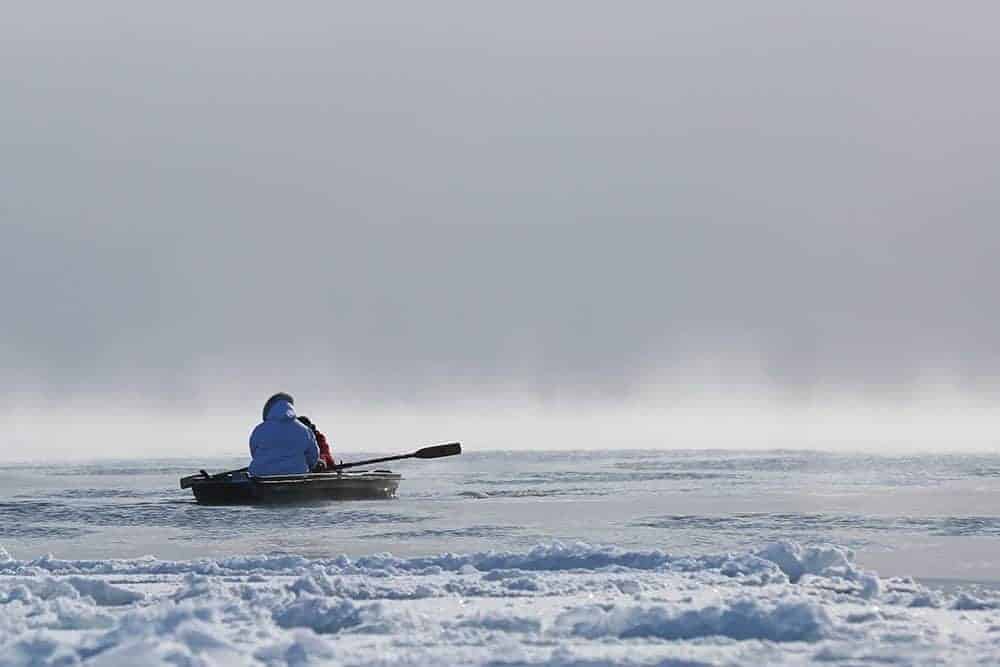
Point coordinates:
[[779, 220]]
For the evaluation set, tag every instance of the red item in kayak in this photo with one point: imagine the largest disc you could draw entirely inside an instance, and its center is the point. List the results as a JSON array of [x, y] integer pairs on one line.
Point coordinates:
[[324, 450]]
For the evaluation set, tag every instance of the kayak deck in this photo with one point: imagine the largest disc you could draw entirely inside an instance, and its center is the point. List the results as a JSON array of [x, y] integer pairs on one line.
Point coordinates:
[[239, 488]]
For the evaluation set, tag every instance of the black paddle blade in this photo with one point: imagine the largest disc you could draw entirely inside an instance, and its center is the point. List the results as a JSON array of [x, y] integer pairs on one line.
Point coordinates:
[[437, 451], [191, 479]]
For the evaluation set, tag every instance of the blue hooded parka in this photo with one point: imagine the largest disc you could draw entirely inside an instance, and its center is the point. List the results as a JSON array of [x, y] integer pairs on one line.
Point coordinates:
[[281, 445]]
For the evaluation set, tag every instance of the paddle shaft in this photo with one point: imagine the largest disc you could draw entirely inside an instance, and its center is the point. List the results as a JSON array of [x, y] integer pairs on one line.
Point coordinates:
[[434, 452], [371, 461]]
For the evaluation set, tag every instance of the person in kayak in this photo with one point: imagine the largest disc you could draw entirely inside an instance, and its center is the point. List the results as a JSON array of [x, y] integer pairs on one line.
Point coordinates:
[[325, 457], [281, 444]]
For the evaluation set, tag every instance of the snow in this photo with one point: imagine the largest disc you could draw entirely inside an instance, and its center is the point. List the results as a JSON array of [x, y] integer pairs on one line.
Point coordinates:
[[103, 593], [968, 602], [554, 604], [745, 618]]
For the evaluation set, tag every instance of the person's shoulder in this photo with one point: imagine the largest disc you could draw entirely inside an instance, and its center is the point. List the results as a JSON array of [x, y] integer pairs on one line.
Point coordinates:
[[299, 426]]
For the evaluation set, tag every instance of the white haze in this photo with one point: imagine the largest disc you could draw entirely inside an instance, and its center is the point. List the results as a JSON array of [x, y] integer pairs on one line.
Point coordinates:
[[544, 225]]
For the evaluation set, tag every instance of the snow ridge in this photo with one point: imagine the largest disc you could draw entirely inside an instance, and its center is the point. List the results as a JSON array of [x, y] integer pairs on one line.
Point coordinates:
[[783, 560], [554, 604]]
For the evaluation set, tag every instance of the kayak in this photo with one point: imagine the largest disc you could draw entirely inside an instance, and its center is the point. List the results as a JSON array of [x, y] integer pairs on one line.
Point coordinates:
[[239, 488]]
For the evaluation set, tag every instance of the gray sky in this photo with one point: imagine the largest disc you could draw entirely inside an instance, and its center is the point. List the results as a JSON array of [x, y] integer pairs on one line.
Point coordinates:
[[400, 208]]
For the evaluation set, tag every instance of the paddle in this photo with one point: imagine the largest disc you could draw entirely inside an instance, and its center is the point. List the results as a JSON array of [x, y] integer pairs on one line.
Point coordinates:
[[435, 452]]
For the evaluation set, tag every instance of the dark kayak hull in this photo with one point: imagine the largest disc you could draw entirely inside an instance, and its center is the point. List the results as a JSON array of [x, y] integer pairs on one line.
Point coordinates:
[[241, 489]]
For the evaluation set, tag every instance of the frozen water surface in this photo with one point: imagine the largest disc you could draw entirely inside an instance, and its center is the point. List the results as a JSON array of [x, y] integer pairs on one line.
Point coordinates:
[[675, 558]]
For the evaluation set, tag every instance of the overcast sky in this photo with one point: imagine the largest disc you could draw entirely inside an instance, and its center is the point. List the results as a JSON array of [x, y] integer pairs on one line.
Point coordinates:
[[405, 207]]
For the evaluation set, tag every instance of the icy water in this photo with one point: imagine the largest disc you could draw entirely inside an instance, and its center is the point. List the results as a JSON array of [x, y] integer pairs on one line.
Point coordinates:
[[514, 559], [928, 516]]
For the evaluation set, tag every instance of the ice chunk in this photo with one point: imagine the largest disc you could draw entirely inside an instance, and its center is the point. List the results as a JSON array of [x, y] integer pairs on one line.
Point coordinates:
[[833, 562], [523, 584], [103, 593], [871, 585], [967, 602], [39, 648], [628, 586], [503, 623], [318, 583], [44, 588], [302, 648], [796, 560], [787, 620], [78, 615], [929, 599], [323, 615], [197, 585]]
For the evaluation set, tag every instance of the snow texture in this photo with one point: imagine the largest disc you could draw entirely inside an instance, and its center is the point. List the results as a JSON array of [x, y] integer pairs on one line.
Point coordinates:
[[556, 604]]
